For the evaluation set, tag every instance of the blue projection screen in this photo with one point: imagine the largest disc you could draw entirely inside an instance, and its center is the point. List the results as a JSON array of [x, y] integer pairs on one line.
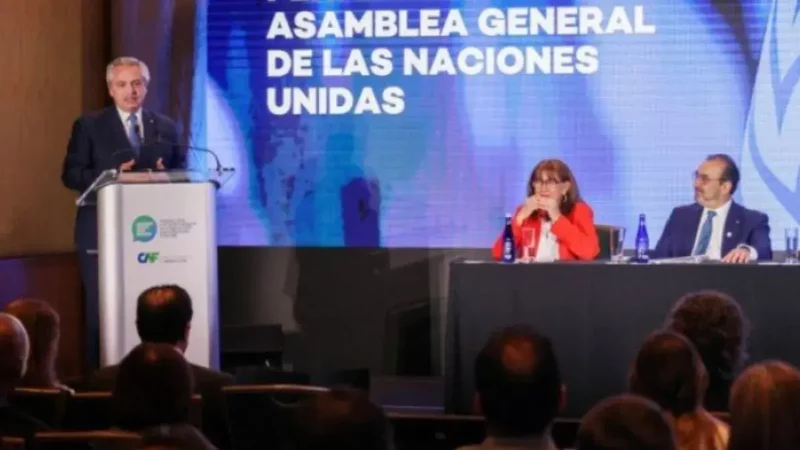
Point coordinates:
[[416, 123]]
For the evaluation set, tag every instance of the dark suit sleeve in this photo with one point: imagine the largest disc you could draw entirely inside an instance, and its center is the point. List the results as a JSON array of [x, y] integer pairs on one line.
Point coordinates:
[[759, 238], [78, 171], [664, 246]]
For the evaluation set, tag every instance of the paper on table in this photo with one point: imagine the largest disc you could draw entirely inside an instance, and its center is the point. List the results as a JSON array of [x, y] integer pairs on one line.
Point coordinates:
[[681, 260]]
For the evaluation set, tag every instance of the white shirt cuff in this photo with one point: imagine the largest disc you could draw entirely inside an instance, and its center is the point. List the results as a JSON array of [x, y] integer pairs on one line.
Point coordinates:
[[753, 252]]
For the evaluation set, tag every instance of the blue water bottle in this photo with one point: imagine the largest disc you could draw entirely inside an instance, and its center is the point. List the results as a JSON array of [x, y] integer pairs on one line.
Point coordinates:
[[642, 241], [508, 242]]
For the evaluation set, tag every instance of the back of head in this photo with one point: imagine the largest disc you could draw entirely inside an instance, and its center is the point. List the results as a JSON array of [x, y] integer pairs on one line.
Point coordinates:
[[163, 314], [14, 348], [765, 408], [341, 418], [625, 422], [153, 387], [716, 326], [518, 382], [668, 371], [42, 324]]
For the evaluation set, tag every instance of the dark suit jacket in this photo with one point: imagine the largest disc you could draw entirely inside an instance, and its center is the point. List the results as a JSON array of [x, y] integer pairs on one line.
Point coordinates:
[[103, 380], [99, 143], [207, 383], [743, 226]]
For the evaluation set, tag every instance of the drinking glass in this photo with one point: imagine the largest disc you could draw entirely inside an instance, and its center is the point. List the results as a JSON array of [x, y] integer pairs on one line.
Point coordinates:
[[528, 253], [617, 246], [791, 246]]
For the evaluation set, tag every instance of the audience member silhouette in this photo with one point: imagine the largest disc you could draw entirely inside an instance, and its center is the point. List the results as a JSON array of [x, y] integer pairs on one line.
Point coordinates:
[[519, 389], [718, 329], [669, 371], [625, 422], [765, 408], [164, 315], [14, 349], [42, 324], [341, 418]]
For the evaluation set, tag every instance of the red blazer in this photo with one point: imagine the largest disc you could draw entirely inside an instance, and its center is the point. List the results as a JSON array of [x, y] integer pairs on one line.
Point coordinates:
[[576, 234]]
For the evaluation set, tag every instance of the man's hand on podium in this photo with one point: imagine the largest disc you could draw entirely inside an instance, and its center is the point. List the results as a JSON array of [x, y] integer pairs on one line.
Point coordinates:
[[160, 164], [127, 165]]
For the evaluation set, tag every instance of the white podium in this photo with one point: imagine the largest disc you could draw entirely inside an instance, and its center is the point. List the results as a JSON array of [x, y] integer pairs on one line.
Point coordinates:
[[156, 228]]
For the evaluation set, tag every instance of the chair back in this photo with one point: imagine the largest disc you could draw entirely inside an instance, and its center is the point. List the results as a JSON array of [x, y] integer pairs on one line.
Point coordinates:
[[259, 415], [565, 432], [12, 443], [607, 238], [88, 411], [97, 440], [47, 405], [196, 411]]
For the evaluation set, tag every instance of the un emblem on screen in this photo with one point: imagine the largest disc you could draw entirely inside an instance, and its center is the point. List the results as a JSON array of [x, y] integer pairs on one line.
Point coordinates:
[[144, 229]]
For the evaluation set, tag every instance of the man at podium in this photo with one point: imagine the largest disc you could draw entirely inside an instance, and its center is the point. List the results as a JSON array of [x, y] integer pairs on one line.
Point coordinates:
[[125, 137]]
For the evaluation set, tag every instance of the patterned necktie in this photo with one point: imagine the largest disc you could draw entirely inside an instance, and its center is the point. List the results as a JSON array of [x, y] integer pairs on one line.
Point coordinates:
[[133, 135], [705, 235]]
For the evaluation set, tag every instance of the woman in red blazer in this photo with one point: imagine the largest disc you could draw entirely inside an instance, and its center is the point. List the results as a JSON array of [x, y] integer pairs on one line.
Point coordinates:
[[558, 223]]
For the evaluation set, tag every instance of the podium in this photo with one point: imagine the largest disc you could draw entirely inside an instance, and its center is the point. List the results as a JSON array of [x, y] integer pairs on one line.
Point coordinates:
[[156, 228]]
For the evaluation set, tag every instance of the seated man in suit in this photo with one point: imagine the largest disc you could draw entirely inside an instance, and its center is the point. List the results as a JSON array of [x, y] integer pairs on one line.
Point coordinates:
[[14, 348], [124, 137], [716, 226], [163, 315], [520, 392]]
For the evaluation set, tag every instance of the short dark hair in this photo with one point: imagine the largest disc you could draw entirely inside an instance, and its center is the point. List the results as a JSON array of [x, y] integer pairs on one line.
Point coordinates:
[[518, 382], [625, 422], [717, 327], [731, 171], [153, 387], [340, 418], [163, 313]]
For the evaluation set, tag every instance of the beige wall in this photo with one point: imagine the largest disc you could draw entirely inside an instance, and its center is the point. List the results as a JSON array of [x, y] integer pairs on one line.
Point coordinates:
[[52, 59]]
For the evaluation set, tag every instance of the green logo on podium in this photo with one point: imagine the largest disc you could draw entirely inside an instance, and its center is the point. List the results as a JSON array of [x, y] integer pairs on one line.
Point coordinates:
[[144, 229]]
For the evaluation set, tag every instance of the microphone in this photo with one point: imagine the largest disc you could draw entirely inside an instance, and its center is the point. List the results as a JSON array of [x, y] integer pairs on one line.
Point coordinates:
[[213, 154], [130, 151]]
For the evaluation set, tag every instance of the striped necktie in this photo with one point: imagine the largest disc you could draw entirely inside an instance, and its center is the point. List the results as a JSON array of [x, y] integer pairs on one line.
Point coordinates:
[[133, 134]]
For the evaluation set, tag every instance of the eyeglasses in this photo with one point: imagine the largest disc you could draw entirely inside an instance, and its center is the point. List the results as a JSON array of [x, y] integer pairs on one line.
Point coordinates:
[[549, 182], [704, 179]]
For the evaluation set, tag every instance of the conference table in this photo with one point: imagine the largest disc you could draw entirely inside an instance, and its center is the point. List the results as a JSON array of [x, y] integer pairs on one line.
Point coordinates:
[[598, 314]]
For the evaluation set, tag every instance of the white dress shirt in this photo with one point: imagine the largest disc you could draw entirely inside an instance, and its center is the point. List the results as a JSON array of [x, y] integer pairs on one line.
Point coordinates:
[[547, 248], [714, 250], [123, 116]]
